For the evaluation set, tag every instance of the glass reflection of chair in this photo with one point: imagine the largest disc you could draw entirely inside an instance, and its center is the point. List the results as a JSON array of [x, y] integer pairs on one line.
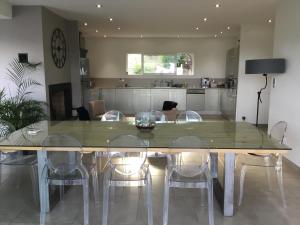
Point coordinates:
[[65, 168], [188, 117], [126, 169], [113, 116], [189, 170], [267, 161], [17, 159]]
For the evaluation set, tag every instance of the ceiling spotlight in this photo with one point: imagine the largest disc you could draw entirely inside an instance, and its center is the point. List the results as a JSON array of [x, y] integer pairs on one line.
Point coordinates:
[[97, 31], [215, 35], [105, 36], [228, 28], [142, 36], [205, 19], [110, 19], [178, 36], [218, 5], [196, 28], [119, 28], [99, 6], [269, 21], [85, 23], [221, 32]]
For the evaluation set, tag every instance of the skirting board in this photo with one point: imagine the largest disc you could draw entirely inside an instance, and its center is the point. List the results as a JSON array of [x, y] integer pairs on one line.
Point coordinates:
[[291, 164]]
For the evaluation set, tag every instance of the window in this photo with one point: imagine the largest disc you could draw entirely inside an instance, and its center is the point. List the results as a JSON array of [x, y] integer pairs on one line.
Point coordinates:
[[162, 64]]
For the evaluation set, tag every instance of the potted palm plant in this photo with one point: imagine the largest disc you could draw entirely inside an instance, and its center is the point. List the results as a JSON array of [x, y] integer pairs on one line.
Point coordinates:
[[20, 110]]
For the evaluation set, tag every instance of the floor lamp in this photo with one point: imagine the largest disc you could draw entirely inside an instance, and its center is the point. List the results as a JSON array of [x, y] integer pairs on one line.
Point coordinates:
[[264, 67]]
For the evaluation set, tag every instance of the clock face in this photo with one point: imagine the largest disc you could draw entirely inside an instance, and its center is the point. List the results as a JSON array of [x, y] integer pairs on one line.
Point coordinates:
[[59, 48]]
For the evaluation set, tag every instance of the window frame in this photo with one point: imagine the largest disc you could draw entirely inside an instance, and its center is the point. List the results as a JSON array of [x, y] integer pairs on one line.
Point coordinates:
[[159, 74]]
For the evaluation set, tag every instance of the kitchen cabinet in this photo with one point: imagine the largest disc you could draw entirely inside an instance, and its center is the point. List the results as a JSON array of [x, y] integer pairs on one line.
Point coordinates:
[[179, 96], [228, 103], [158, 96], [232, 62], [109, 97], [141, 100], [90, 95], [134, 100], [124, 100], [212, 101]]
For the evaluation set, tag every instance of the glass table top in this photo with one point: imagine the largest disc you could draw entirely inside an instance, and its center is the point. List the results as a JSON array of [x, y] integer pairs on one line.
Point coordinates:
[[94, 134]]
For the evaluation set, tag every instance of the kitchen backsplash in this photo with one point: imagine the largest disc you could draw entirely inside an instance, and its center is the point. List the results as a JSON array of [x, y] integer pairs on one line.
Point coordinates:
[[150, 82]]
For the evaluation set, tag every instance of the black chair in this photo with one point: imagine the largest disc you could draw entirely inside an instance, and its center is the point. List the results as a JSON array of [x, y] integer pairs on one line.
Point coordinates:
[[83, 114], [169, 105]]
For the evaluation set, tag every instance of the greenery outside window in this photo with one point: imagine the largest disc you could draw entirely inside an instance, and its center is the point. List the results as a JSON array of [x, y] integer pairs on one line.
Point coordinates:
[[160, 64]]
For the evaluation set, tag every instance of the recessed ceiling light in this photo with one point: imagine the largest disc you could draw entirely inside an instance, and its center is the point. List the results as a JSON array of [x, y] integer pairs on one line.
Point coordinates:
[[99, 6], [205, 19], [105, 36], [119, 28], [228, 28], [85, 23], [269, 21], [196, 28], [221, 32], [215, 35], [142, 36], [110, 19], [178, 36], [218, 5], [97, 31]]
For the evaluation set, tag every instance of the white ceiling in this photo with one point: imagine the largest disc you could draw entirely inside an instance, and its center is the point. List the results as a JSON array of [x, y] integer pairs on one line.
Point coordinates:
[[160, 18]]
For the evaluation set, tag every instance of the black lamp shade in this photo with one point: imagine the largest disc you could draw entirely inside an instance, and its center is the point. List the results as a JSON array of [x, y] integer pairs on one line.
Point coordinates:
[[265, 66]]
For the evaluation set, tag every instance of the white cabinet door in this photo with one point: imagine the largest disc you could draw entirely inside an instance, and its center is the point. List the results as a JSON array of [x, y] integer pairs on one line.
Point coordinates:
[[141, 100], [179, 96], [212, 101], [109, 97], [90, 95], [158, 96], [124, 102]]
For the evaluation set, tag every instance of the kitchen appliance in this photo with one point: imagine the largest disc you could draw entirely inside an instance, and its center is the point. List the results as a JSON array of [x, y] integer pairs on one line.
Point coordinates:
[[195, 99], [205, 82]]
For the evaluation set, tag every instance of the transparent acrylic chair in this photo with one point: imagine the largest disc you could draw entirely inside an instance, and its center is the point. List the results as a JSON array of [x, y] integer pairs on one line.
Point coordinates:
[[113, 116], [18, 159], [160, 117], [65, 168], [189, 170], [126, 169], [267, 161], [188, 117]]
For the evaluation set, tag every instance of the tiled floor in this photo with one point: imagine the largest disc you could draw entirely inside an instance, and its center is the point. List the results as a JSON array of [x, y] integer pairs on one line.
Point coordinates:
[[188, 207]]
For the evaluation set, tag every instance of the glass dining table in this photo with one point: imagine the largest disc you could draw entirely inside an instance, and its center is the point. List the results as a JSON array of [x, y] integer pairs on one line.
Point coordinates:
[[225, 138]]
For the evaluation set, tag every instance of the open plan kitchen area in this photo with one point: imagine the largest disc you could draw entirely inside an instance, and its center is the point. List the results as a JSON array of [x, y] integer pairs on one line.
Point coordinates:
[[149, 112]]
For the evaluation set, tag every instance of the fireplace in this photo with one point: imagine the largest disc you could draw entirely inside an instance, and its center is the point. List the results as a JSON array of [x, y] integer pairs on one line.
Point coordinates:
[[60, 101]]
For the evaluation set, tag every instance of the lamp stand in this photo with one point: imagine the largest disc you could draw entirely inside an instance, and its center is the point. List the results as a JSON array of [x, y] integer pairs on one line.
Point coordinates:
[[259, 98]]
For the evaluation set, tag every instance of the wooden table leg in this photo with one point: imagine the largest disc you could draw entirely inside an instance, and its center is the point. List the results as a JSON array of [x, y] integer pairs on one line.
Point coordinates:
[[229, 184], [43, 189]]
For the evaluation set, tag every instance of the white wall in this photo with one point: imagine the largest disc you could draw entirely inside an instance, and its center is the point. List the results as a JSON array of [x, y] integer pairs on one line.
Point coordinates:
[[256, 42], [284, 102], [22, 34], [108, 56]]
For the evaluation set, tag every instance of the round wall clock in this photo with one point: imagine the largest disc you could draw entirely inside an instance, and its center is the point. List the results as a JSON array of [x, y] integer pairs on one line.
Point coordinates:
[[59, 48]]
